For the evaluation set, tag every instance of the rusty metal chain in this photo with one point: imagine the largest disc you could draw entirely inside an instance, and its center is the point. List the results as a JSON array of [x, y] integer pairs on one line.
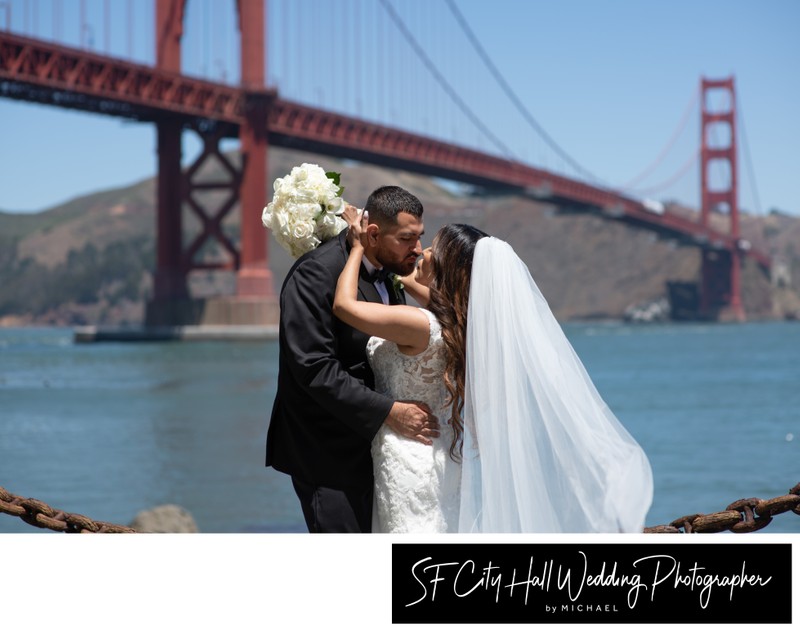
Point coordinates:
[[743, 516], [41, 515]]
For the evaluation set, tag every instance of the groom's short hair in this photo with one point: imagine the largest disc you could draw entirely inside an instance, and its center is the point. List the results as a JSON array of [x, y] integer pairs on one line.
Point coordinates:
[[384, 203]]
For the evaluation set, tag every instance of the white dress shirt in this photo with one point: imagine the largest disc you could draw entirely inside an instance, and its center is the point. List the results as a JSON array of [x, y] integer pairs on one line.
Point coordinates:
[[379, 285]]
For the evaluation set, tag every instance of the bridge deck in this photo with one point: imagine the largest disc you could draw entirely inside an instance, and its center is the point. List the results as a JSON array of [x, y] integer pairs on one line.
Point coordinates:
[[42, 72]]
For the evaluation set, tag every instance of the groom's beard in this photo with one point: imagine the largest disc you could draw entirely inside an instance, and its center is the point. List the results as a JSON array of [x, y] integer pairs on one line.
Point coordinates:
[[392, 263], [401, 269]]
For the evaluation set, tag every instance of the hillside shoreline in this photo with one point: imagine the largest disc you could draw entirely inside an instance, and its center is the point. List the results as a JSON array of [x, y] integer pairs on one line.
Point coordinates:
[[89, 261]]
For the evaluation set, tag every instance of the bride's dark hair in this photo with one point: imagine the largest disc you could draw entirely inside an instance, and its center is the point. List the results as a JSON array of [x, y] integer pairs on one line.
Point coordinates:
[[452, 253]]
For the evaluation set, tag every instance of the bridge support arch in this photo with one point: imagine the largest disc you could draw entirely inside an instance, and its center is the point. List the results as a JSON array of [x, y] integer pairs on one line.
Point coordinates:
[[254, 302]]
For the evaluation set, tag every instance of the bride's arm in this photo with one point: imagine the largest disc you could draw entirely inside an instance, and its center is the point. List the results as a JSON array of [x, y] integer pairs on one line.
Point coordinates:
[[402, 324]]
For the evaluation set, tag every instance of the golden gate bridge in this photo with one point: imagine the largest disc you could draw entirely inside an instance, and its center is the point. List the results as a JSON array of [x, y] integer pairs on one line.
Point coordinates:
[[39, 70]]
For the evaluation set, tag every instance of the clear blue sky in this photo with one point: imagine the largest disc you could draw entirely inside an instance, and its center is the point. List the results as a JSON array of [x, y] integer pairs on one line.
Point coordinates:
[[609, 81]]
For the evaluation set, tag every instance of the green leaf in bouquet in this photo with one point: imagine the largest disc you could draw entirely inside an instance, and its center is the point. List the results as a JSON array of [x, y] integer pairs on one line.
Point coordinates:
[[336, 178]]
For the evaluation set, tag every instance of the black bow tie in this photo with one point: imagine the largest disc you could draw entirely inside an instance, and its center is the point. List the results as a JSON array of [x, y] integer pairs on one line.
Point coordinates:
[[378, 275]]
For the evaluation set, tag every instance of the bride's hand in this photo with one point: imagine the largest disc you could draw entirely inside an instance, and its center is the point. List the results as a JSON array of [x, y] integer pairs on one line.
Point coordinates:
[[357, 224], [350, 213]]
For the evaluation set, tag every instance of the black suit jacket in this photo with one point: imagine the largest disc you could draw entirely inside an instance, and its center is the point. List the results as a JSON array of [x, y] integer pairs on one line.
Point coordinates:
[[325, 412]]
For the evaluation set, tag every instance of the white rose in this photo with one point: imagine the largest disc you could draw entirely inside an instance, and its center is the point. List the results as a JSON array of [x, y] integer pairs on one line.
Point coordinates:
[[302, 230], [324, 187], [304, 196], [307, 211], [278, 185], [277, 217], [302, 246], [327, 227], [300, 174], [313, 170]]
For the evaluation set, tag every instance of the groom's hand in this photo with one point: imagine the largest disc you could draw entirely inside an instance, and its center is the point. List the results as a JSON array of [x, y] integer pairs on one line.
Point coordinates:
[[414, 420]]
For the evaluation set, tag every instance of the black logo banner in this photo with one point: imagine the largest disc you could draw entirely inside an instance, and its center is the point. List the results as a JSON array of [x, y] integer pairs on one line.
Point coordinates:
[[591, 583]]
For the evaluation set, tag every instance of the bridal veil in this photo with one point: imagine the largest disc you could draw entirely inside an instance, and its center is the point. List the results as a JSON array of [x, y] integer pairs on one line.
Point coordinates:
[[542, 450]]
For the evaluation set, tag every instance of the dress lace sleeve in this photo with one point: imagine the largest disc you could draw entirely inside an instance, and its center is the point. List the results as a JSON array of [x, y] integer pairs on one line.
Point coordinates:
[[435, 328]]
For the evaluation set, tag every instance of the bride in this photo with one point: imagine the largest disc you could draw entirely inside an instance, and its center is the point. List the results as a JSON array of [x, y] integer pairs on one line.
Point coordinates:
[[528, 444]]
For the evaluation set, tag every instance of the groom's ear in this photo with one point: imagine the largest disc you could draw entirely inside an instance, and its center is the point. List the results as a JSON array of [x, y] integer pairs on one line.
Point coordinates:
[[373, 230]]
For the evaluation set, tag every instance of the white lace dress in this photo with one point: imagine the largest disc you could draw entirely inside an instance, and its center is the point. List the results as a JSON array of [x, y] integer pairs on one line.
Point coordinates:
[[416, 486]]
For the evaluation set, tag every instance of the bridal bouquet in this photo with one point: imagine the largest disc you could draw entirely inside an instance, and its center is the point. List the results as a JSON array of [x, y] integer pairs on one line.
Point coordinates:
[[305, 210]]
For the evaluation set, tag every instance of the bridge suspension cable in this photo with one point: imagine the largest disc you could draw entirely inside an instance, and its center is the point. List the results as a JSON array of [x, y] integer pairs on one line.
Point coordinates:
[[512, 95], [661, 186], [442, 81], [631, 184], [748, 158]]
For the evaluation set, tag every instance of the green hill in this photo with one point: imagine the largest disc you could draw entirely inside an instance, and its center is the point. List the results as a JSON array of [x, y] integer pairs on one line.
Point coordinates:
[[88, 261]]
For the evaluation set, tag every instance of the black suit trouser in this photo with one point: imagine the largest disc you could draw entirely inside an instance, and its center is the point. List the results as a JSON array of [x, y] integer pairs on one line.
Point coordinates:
[[328, 510]]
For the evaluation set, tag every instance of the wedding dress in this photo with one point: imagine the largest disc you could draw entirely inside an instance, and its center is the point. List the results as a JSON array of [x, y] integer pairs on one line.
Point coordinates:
[[416, 485], [542, 452]]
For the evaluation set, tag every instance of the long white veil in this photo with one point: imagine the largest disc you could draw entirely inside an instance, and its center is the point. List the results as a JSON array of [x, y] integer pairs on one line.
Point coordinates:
[[542, 450]]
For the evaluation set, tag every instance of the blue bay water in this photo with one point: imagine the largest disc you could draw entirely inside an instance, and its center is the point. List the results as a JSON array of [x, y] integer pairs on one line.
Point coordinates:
[[107, 430]]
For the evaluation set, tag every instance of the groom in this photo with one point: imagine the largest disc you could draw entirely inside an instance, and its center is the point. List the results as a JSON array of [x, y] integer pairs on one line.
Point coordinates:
[[326, 413]]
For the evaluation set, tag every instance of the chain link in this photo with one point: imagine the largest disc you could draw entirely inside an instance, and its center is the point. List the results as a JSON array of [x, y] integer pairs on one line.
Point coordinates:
[[742, 516], [41, 515]]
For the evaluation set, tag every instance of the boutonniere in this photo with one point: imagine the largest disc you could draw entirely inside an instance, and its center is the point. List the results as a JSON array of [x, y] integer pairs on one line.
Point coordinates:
[[397, 284]]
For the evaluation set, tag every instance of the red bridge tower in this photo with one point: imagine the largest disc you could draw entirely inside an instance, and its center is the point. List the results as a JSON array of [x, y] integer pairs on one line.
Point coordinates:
[[254, 302], [720, 268]]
